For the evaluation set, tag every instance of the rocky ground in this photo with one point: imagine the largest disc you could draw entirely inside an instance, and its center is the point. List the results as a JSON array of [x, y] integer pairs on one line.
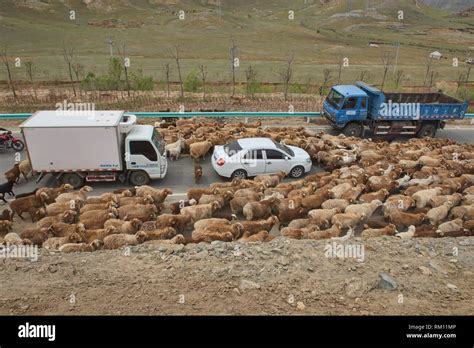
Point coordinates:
[[414, 276]]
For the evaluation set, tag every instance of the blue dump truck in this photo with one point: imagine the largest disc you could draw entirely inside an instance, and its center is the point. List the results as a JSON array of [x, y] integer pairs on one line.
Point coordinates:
[[352, 108]]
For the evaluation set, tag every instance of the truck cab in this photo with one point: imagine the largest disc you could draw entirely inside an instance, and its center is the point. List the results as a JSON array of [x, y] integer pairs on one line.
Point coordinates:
[[144, 154], [344, 104]]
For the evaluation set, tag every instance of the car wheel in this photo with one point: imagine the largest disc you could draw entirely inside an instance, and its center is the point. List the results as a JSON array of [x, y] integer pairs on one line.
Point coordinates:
[[74, 180], [297, 172], [139, 178], [240, 174]]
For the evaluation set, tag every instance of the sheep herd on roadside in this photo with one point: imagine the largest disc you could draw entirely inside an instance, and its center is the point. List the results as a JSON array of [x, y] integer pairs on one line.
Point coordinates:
[[418, 188]]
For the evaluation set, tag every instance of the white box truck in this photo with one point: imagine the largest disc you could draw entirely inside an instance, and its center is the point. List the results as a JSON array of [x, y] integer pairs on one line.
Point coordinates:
[[94, 146]]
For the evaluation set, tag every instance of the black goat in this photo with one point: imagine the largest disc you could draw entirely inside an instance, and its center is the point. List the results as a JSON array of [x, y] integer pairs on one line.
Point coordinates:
[[6, 188]]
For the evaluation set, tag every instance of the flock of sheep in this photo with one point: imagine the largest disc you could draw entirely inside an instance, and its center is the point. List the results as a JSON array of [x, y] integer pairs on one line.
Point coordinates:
[[419, 188]]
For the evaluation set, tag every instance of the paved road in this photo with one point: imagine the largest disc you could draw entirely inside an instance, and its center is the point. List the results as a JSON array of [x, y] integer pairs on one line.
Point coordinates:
[[180, 174]]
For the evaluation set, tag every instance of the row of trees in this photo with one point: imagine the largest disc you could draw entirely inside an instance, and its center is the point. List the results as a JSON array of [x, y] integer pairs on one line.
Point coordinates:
[[120, 77]]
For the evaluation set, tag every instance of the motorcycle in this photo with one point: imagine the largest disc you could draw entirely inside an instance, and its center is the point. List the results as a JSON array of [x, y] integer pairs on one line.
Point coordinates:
[[7, 141]]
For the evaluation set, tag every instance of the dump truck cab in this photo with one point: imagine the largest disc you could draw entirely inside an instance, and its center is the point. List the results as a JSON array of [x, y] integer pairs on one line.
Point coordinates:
[[346, 103]]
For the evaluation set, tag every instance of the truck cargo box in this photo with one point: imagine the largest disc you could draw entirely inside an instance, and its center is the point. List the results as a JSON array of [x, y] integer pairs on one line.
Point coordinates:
[[62, 141]]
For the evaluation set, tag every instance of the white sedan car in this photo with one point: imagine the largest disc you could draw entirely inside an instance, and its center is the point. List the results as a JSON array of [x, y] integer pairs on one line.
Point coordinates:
[[254, 156]]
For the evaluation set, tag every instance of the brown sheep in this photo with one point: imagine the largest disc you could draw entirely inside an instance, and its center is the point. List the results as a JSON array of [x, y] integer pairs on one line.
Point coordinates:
[[5, 226], [24, 204], [98, 206], [221, 198], [144, 212], [13, 174], [349, 220], [322, 217], [211, 222], [332, 232], [7, 214], [159, 195], [68, 217], [81, 247], [199, 236], [105, 198], [403, 219], [440, 200], [59, 208], [315, 200], [197, 173], [116, 241], [76, 195], [237, 203], [435, 215], [253, 227], [271, 180], [199, 149], [380, 195], [261, 209], [196, 193], [201, 211], [147, 199], [178, 222], [98, 234], [54, 243], [449, 227], [37, 236], [162, 233], [95, 219], [335, 203], [388, 230], [14, 239], [178, 239], [288, 215], [25, 168], [260, 236], [61, 229], [128, 227], [423, 197], [176, 207], [397, 203]]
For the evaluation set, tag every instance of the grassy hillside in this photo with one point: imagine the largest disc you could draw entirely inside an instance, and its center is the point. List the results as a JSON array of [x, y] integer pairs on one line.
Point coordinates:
[[321, 32]]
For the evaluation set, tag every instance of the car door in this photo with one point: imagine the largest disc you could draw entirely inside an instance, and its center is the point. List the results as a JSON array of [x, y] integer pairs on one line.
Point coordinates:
[[276, 161], [143, 155], [253, 162]]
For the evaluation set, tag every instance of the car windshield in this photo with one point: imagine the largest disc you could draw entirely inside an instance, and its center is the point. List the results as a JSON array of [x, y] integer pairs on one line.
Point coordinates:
[[284, 148], [334, 98], [158, 141], [232, 148]]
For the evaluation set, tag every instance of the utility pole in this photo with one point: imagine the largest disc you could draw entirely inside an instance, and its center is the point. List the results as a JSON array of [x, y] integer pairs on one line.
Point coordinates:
[[111, 48], [219, 9], [396, 58]]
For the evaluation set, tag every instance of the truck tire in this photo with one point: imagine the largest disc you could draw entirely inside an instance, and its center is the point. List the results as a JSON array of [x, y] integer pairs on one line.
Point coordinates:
[[427, 131], [72, 179], [353, 130], [139, 178]]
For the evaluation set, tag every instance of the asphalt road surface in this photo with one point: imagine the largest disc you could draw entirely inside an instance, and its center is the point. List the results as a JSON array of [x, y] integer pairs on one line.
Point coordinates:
[[180, 174]]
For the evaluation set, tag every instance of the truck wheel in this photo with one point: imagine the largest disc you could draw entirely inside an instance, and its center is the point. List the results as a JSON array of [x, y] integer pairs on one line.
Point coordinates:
[[74, 180], [353, 130], [427, 131], [139, 178]]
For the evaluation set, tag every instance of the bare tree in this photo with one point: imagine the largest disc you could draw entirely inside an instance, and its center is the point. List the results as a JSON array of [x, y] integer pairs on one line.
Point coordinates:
[[68, 55], [468, 73], [176, 53], [459, 82], [78, 73], [30, 72], [233, 55], [399, 76], [428, 69], [9, 73], [286, 73], [341, 64], [326, 78], [203, 70], [386, 61], [250, 76], [364, 76], [122, 51], [433, 77], [167, 70]]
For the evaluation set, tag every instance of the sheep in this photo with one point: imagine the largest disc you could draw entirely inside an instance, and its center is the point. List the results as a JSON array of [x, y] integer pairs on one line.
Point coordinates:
[[407, 234], [403, 219], [144, 212], [196, 193], [301, 223], [159, 195], [388, 230], [106, 198], [260, 236], [261, 209], [435, 215], [293, 233], [235, 229], [14, 239], [162, 233], [6, 188], [98, 234], [245, 192], [397, 203], [178, 222], [338, 190], [81, 247], [5, 226], [315, 200], [211, 222], [76, 195], [7, 214], [200, 211], [332, 232], [365, 209], [440, 200], [25, 168], [13, 174], [221, 198], [94, 219], [199, 149], [37, 236], [173, 150], [69, 216], [469, 225], [423, 197], [178, 239], [450, 226], [288, 215], [128, 227], [322, 217], [253, 227], [376, 183], [176, 207], [465, 212], [335, 203], [59, 208], [380, 195], [54, 243], [350, 220], [237, 203], [147, 199], [62, 229], [199, 236], [468, 199], [353, 193], [271, 180], [288, 204], [125, 192], [116, 241], [97, 206], [24, 204], [197, 173]]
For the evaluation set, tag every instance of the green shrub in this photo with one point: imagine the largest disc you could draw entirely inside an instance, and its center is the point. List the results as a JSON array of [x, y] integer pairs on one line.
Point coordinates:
[[191, 83]]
